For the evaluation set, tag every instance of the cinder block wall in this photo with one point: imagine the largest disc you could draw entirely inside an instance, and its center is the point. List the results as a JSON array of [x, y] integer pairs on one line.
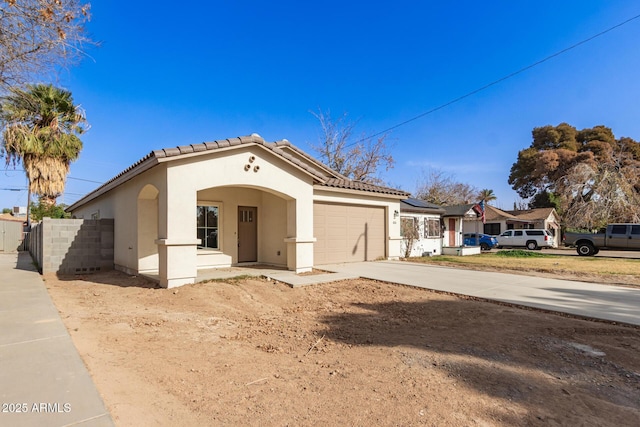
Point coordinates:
[[74, 246]]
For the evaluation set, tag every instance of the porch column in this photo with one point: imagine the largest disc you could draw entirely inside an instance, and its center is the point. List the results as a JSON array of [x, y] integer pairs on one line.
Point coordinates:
[[300, 238], [177, 242]]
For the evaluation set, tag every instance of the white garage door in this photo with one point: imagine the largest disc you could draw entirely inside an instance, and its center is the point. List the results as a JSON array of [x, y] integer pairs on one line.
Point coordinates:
[[348, 233]]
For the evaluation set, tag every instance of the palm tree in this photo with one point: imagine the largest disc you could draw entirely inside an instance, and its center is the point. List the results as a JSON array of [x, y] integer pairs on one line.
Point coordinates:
[[40, 129], [487, 196]]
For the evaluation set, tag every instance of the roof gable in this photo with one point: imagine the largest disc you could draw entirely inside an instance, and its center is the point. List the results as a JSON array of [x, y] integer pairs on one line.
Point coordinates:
[[494, 214], [460, 210], [536, 214], [321, 173]]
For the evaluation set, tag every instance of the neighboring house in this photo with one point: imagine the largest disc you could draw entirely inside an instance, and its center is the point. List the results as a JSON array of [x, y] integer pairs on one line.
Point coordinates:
[[497, 221], [11, 232], [425, 219], [544, 218], [237, 201], [456, 220], [12, 218]]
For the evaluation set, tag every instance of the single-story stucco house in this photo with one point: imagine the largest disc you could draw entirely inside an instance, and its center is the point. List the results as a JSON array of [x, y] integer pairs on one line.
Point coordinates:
[[241, 200], [455, 219], [425, 219], [497, 221]]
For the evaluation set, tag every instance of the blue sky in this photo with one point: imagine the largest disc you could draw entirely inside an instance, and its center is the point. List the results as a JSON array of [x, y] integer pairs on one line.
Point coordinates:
[[171, 73]]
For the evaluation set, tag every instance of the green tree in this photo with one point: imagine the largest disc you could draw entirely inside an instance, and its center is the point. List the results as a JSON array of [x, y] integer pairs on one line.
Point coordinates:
[[41, 128], [42, 210], [487, 195], [544, 199], [589, 175]]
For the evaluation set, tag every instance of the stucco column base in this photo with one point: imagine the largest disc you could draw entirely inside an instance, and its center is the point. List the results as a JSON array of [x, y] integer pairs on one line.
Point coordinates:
[[300, 254], [177, 262], [395, 248]]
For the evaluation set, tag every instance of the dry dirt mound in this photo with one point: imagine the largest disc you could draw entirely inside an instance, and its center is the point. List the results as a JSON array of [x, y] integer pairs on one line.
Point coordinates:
[[355, 352]]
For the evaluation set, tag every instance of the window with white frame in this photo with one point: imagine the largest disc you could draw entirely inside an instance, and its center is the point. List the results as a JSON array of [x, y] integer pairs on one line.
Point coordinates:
[[432, 228], [208, 216]]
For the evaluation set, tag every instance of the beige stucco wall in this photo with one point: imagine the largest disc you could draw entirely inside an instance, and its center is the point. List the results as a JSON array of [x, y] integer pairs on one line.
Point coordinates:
[[154, 212], [272, 225], [122, 205], [282, 193]]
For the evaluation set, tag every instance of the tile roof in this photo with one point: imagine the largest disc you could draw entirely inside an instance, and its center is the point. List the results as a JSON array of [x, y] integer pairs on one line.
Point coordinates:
[[533, 214], [9, 217], [492, 213], [362, 186], [321, 173]]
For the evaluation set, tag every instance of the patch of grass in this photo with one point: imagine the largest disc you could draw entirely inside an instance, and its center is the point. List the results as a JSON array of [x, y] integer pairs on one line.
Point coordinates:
[[519, 253], [596, 269], [439, 258], [231, 280]]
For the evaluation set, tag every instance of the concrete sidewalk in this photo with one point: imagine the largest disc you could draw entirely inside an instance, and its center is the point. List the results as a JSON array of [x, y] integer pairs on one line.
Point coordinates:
[[43, 381], [613, 303], [279, 274]]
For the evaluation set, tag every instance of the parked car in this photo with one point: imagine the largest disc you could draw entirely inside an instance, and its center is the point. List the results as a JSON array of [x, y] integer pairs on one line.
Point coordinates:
[[530, 239], [615, 236], [485, 241]]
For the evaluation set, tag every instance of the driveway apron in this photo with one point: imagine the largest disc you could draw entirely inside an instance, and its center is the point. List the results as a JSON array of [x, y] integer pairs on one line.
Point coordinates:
[[591, 300]]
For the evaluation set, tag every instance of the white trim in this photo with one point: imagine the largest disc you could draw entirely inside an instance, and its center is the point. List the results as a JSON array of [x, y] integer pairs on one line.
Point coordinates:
[[300, 239], [177, 242]]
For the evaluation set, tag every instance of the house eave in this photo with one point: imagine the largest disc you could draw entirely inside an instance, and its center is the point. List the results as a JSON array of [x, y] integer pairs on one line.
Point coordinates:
[[144, 165], [427, 211], [321, 187]]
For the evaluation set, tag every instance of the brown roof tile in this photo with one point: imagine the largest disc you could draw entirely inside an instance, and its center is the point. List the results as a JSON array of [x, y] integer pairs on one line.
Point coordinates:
[[533, 214], [362, 186]]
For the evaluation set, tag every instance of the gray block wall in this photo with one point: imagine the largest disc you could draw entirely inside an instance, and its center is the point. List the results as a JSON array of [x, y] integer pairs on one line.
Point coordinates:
[[72, 246]]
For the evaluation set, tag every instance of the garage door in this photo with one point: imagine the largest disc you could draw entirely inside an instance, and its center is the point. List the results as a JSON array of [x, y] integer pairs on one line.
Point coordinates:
[[348, 233]]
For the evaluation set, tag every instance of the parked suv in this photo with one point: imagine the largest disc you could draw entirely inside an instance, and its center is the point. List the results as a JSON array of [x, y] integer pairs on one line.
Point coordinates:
[[531, 239]]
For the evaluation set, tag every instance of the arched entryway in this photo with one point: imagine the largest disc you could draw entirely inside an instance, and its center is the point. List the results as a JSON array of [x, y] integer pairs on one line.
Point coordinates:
[[147, 218]]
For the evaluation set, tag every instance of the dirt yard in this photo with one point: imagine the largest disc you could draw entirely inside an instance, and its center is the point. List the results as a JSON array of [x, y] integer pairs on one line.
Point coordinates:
[[350, 353]]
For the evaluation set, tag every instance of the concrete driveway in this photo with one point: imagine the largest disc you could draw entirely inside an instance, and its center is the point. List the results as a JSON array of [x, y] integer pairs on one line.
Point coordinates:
[[613, 303]]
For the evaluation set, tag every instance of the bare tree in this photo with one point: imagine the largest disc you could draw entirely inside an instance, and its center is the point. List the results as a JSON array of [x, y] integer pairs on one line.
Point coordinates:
[[361, 160], [410, 232], [38, 36], [594, 194], [437, 187]]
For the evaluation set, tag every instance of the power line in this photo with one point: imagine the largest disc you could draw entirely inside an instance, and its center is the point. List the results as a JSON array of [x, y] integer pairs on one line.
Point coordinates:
[[495, 82], [69, 177]]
